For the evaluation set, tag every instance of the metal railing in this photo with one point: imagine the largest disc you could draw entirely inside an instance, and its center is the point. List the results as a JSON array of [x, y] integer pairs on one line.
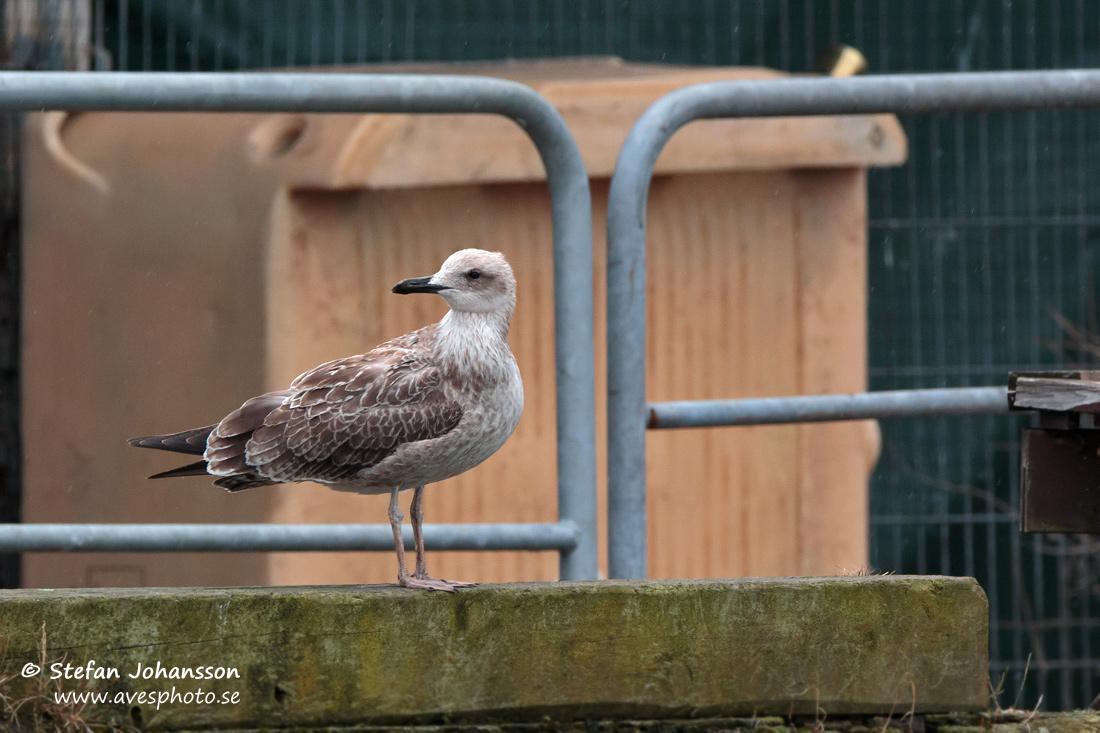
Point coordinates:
[[560, 536], [574, 535], [828, 407], [628, 413]]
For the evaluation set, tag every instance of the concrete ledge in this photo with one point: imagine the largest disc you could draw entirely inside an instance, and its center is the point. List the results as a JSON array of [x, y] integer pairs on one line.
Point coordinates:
[[1010, 721], [380, 654]]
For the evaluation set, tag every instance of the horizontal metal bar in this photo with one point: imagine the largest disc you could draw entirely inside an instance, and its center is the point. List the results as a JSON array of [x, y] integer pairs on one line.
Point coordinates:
[[887, 521], [893, 93], [270, 92], [827, 408], [559, 536]]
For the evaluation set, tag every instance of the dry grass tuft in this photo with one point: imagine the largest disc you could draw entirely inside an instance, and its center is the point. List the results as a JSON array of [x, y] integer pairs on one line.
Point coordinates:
[[40, 711], [1013, 714]]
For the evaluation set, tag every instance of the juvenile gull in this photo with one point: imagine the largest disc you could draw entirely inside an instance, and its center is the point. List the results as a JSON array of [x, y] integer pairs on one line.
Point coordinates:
[[418, 409]]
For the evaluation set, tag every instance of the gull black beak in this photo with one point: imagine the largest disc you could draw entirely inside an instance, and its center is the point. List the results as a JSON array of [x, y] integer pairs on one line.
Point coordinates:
[[418, 285]]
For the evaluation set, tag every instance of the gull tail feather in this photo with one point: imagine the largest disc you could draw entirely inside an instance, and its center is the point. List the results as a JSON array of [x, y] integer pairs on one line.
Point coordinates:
[[198, 468], [191, 442]]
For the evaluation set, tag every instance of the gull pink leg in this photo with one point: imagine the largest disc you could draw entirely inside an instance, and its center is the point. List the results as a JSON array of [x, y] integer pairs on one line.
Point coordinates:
[[395, 524], [418, 534], [403, 576]]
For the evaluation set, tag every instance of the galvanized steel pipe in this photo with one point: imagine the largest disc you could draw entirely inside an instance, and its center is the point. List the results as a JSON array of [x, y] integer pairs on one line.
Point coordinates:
[[826, 408], [626, 212], [561, 537], [425, 94]]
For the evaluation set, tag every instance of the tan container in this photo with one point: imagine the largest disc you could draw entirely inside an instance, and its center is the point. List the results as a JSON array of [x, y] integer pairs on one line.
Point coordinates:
[[177, 264]]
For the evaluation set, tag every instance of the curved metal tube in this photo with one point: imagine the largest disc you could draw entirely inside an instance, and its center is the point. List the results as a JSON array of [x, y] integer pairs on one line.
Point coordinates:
[[626, 211], [380, 93]]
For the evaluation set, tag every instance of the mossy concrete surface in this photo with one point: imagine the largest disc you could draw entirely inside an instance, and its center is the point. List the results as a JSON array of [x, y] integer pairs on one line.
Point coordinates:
[[1081, 721], [510, 653], [1014, 721]]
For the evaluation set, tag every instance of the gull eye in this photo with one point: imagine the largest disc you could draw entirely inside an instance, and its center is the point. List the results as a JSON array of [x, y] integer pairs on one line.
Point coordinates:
[[473, 274]]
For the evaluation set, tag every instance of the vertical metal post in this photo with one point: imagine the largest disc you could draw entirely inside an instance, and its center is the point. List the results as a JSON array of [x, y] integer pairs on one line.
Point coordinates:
[[626, 340], [575, 342]]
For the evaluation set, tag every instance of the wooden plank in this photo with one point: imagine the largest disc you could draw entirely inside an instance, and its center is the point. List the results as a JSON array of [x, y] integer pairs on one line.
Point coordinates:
[[835, 458], [686, 271], [600, 103], [771, 465], [730, 316], [721, 324], [1064, 395], [456, 149]]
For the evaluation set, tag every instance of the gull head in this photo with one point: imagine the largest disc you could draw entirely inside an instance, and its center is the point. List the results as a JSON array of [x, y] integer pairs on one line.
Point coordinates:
[[471, 280]]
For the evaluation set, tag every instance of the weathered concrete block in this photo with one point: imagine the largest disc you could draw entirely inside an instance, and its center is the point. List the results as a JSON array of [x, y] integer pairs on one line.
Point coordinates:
[[309, 656]]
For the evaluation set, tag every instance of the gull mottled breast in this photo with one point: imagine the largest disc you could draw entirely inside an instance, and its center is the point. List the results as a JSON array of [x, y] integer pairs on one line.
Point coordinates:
[[418, 409]]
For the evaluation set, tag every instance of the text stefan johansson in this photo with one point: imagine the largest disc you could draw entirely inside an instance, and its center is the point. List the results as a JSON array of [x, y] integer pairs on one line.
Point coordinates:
[[92, 671]]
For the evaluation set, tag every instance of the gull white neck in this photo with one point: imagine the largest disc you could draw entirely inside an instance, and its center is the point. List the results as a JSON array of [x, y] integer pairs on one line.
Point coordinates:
[[474, 343]]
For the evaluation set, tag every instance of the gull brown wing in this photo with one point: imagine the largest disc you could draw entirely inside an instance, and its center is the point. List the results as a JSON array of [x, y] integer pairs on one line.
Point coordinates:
[[343, 417], [227, 444]]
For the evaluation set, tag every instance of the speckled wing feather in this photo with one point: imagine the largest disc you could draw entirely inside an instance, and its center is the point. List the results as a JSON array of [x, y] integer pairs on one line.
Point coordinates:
[[337, 419]]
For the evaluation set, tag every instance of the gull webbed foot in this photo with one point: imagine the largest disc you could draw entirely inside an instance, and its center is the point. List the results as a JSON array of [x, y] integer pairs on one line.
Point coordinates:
[[426, 583], [453, 583]]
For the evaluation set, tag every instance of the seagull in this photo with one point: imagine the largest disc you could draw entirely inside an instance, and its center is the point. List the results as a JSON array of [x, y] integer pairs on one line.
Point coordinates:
[[419, 408]]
